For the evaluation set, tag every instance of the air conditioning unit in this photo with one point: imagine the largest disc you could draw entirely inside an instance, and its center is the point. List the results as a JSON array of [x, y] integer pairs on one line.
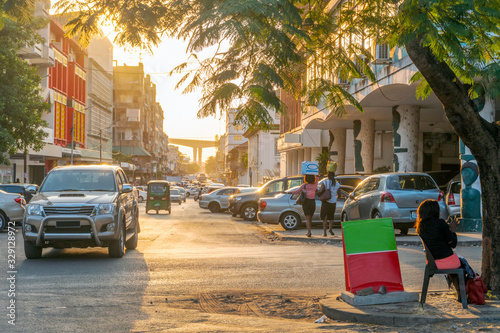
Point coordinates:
[[71, 103], [382, 54]]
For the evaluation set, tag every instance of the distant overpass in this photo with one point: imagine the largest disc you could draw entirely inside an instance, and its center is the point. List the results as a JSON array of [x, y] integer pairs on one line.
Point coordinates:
[[197, 146]]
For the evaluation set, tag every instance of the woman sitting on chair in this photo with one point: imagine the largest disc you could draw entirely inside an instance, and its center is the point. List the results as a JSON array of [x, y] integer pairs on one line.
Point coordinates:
[[439, 236]]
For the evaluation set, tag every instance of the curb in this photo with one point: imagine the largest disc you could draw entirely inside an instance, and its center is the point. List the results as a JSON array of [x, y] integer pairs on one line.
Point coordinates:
[[338, 241], [339, 310]]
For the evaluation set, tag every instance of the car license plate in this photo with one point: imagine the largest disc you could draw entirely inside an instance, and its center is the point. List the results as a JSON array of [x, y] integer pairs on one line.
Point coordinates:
[[413, 215], [68, 224]]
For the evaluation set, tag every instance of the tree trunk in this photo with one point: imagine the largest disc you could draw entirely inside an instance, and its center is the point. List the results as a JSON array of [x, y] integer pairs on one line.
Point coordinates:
[[482, 138]]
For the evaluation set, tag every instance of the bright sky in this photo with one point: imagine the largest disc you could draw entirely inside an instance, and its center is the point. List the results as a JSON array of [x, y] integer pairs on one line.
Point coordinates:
[[179, 109]]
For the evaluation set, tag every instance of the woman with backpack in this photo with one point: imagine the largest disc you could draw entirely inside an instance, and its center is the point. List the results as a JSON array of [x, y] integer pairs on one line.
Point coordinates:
[[328, 206]]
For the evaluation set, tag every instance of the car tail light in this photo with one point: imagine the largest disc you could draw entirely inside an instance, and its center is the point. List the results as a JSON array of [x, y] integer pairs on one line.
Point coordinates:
[[441, 195], [263, 205], [19, 200], [451, 199], [387, 197]]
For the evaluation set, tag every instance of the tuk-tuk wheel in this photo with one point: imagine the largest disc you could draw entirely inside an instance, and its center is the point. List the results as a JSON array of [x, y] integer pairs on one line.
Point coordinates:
[[169, 212], [157, 210]]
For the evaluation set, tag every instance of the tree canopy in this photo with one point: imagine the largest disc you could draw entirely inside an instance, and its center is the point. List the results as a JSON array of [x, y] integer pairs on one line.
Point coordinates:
[[304, 47], [21, 106]]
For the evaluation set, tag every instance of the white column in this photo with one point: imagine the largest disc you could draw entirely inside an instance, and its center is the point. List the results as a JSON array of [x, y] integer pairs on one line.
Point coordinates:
[[338, 149], [406, 128]]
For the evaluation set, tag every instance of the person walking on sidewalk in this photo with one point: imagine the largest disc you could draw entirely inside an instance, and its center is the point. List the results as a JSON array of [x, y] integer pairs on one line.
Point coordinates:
[[329, 206], [309, 206]]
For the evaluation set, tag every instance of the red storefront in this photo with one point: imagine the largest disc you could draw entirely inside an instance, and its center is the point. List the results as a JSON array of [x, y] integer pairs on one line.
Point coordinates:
[[68, 80]]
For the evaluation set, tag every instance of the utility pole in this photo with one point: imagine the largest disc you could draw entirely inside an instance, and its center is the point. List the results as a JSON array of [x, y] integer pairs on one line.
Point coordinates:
[[72, 136], [100, 146]]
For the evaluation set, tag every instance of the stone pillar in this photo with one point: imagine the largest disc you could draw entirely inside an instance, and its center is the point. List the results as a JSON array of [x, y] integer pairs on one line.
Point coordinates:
[[364, 138], [406, 128], [470, 195], [300, 158], [195, 157], [200, 150], [337, 152]]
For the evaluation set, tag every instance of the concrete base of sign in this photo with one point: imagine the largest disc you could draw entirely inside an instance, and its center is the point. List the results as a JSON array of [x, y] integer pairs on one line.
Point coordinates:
[[394, 297]]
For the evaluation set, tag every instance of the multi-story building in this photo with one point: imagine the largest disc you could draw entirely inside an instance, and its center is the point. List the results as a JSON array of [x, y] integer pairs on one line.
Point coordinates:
[[233, 142], [263, 154], [396, 131], [33, 167], [138, 121], [68, 80], [100, 100]]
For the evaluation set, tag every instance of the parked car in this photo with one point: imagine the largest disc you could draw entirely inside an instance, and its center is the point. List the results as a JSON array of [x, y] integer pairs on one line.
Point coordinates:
[[175, 195], [247, 204], [82, 206], [11, 208], [141, 195], [452, 196], [191, 191], [213, 187], [18, 188], [395, 195], [183, 193], [218, 200], [282, 209]]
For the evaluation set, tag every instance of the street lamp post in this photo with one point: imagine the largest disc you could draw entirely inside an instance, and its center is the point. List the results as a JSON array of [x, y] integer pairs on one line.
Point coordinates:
[[72, 136]]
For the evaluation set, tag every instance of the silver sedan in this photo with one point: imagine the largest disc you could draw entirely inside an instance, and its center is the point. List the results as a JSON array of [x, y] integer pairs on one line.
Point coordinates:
[[218, 200], [11, 208], [282, 209], [394, 195]]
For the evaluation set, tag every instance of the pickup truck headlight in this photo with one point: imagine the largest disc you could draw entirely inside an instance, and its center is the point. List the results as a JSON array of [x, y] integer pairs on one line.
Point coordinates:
[[105, 209], [237, 199], [34, 210]]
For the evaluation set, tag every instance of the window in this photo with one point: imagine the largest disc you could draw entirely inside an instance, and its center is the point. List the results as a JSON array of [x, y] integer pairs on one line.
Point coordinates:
[[276, 151], [276, 187], [295, 182], [238, 127], [237, 138]]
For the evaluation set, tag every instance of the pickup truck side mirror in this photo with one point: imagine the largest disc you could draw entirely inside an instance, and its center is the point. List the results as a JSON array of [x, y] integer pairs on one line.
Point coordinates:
[[127, 188], [31, 189]]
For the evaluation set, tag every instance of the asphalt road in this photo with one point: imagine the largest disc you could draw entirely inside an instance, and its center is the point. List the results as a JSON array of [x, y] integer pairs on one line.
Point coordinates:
[[174, 281]]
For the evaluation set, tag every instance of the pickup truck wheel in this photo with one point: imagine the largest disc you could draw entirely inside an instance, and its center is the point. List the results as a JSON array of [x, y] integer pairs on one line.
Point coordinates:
[[131, 244], [214, 207], [31, 251], [3, 221], [117, 247], [290, 221], [249, 212], [140, 199]]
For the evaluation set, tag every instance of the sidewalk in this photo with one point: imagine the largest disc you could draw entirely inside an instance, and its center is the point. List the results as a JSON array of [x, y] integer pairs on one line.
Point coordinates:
[[440, 308], [412, 239]]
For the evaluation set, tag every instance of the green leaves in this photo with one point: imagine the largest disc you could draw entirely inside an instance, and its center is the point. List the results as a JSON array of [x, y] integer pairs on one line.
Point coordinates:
[[21, 106]]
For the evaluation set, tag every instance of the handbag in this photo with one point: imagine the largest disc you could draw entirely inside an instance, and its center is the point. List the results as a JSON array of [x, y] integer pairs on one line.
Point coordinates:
[[326, 194], [475, 289], [301, 198]]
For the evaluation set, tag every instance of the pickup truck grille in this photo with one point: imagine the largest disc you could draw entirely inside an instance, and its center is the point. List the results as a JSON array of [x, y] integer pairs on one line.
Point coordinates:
[[68, 210]]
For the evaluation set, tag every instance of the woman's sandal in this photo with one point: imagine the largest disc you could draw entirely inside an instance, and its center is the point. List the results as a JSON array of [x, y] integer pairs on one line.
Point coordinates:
[[308, 234], [331, 232]]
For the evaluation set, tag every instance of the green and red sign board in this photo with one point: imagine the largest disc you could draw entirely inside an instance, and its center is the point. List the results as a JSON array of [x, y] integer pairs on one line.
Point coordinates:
[[370, 255]]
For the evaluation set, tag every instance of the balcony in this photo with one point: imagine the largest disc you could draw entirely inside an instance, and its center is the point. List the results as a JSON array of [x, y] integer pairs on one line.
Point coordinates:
[[47, 59], [31, 52]]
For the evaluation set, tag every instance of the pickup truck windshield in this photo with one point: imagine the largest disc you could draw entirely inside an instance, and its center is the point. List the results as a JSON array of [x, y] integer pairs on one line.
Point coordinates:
[[79, 180]]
